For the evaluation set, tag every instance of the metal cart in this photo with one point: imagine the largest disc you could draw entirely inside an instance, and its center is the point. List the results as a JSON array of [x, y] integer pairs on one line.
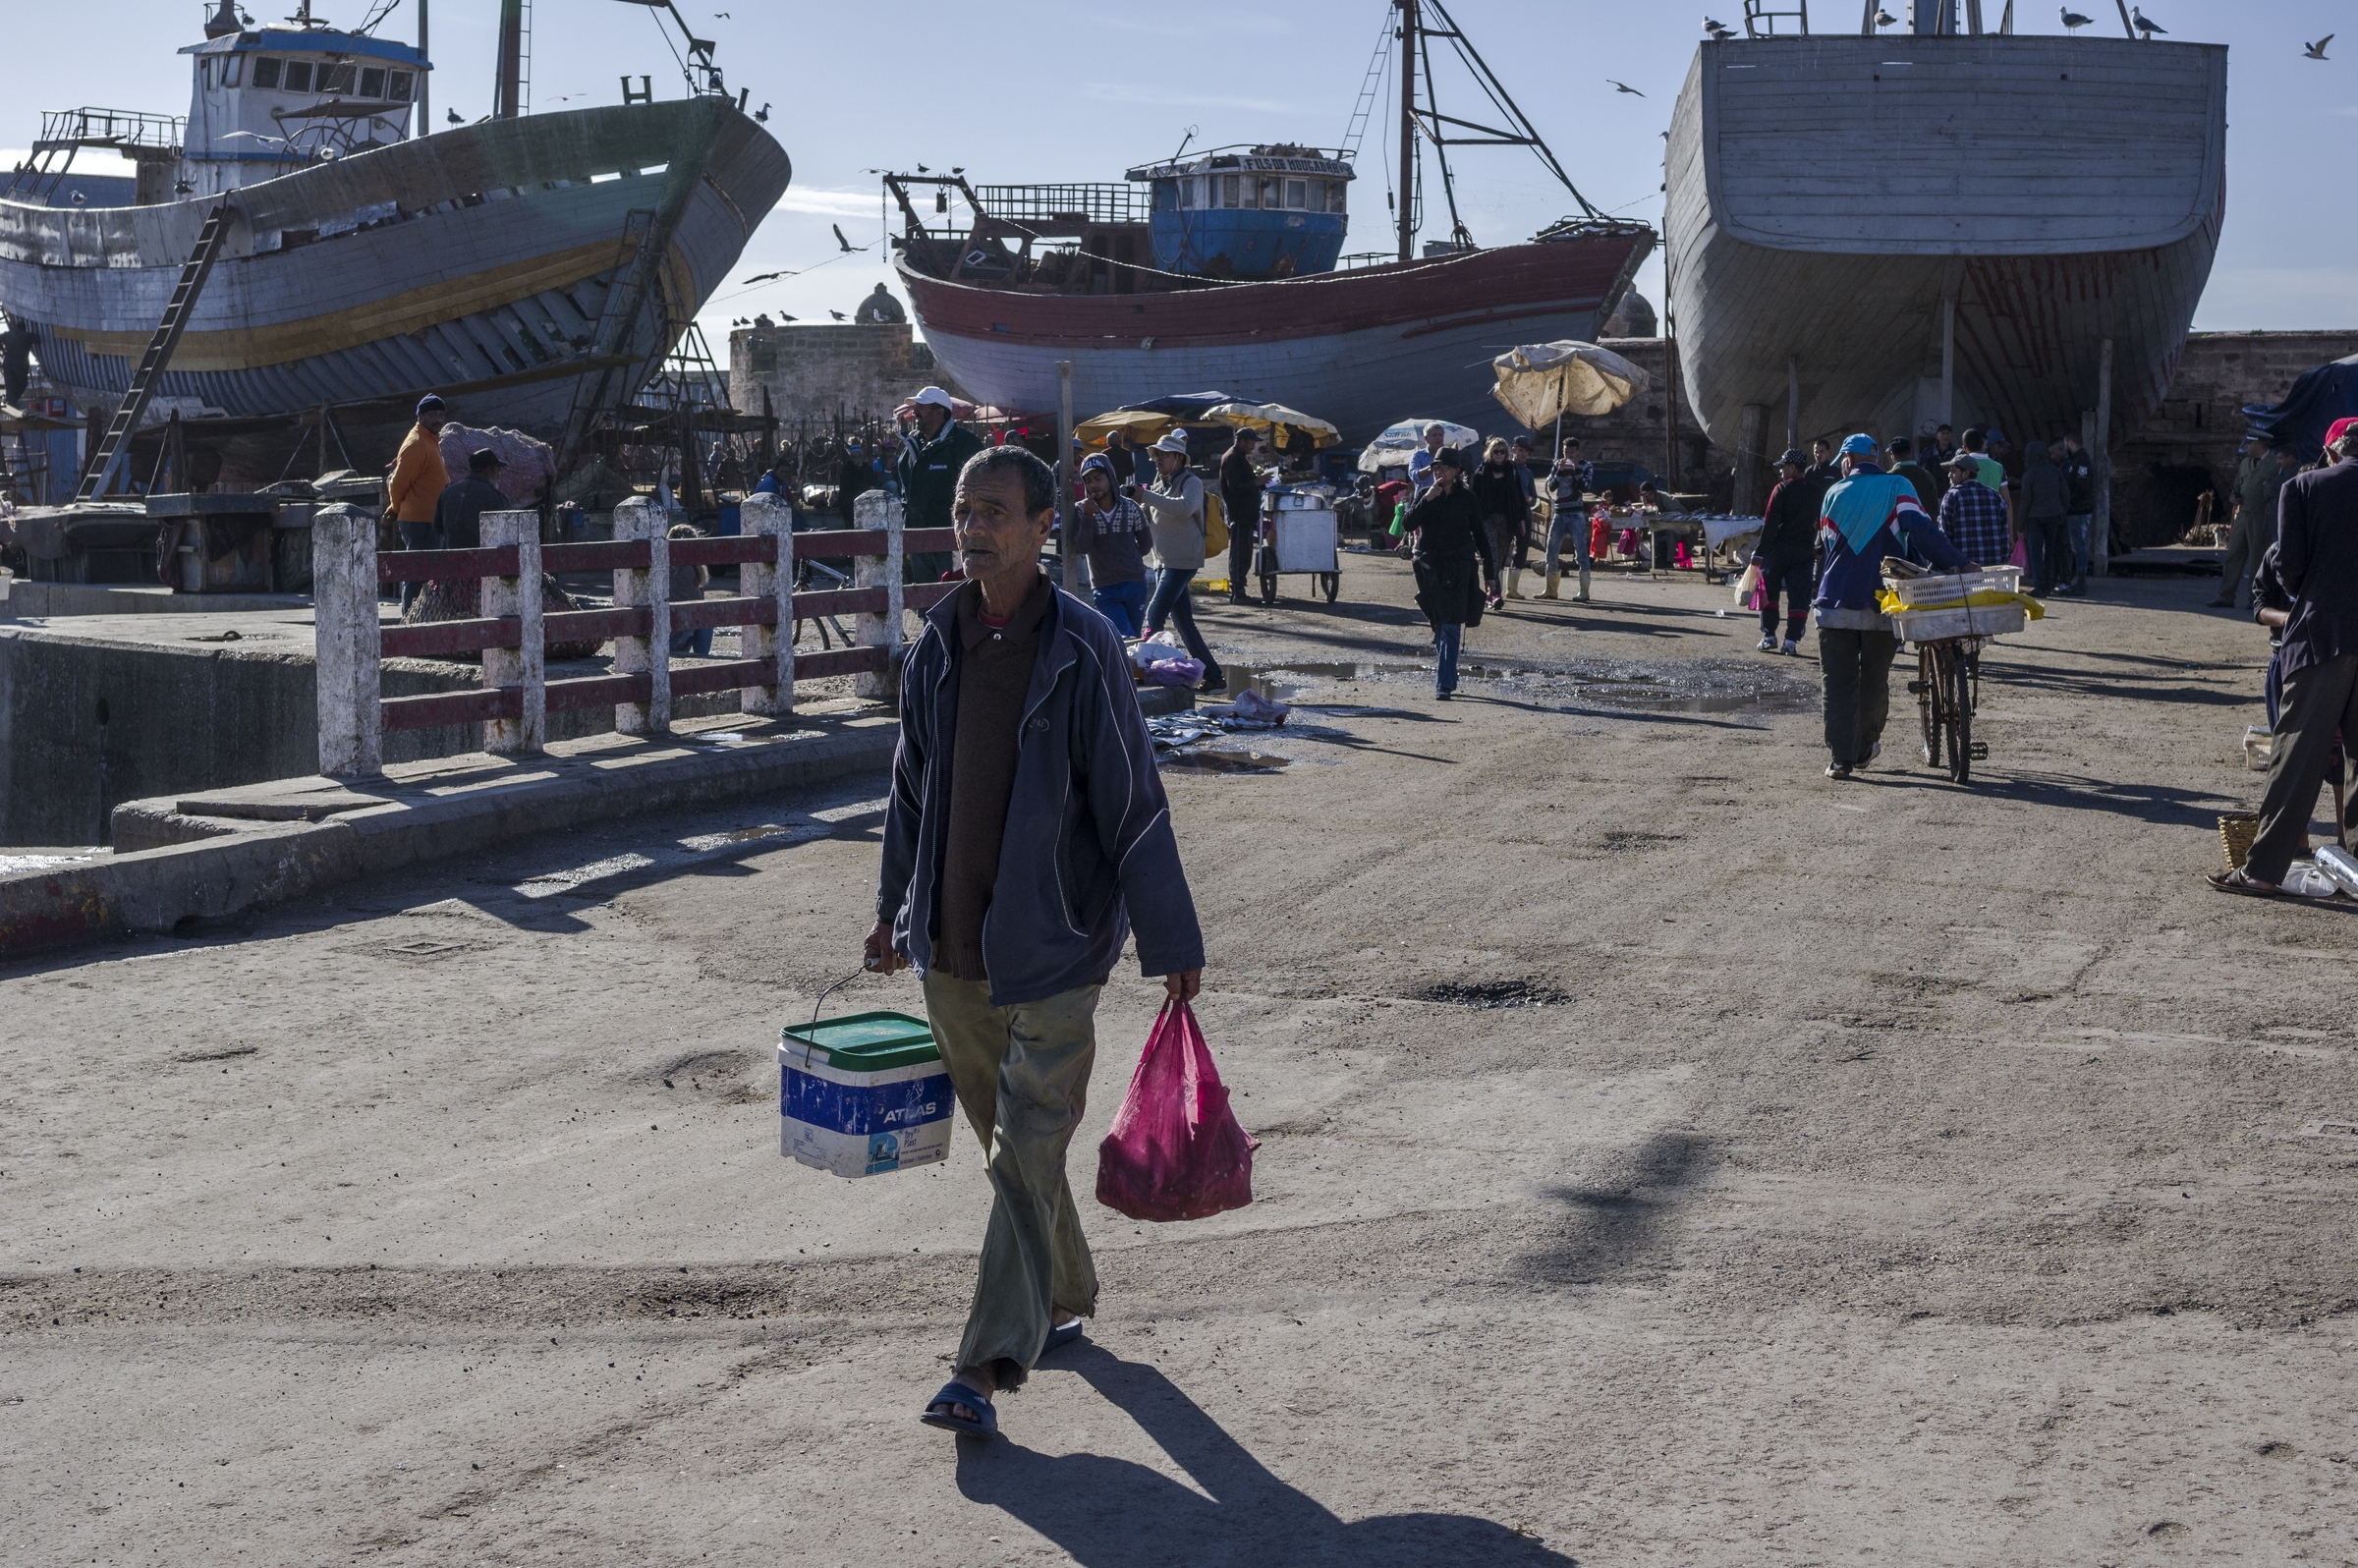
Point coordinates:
[[1299, 533]]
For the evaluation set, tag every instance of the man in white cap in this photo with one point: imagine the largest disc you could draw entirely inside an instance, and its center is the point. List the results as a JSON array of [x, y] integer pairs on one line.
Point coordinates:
[[1174, 505], [930, 467]]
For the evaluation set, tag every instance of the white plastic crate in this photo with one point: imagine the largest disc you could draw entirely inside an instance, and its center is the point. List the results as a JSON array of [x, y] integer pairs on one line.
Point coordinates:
[[1929, 626]]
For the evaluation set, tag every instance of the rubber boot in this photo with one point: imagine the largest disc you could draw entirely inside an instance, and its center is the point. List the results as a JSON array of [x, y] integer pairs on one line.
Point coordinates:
[[1549, 592], [1582, 598], [1514, 582]]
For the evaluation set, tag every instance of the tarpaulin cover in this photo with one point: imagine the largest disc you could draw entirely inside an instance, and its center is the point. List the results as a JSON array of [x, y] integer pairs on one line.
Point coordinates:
[[1540, 381], [2320, 396], [531, 465], [1391, 449]]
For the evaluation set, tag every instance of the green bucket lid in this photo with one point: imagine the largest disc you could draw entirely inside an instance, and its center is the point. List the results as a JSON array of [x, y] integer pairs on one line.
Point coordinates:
[[866, 1043]]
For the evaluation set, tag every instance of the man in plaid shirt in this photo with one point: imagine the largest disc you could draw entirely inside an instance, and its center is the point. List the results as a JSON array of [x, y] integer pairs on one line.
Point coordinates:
[[1973, 516]]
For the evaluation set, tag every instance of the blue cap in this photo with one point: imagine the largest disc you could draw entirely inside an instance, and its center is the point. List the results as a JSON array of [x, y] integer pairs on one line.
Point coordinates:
[[1862, 445], [1995, 437], [427, 404]]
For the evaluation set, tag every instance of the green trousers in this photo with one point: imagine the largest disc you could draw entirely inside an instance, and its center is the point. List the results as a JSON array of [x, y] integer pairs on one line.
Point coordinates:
[[1022, 1077]]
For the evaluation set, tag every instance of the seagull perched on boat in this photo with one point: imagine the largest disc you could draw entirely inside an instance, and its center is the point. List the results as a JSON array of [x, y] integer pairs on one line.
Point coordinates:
[[1621, 86], [2317, 51], [839, 315], [840, 239], [2137, 20], [1883, 17], [761, 115], [1718, 30], [2073, 22], [454, 118]]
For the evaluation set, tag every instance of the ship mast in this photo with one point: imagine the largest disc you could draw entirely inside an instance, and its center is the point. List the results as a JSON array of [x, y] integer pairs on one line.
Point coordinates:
[[1408, 126]]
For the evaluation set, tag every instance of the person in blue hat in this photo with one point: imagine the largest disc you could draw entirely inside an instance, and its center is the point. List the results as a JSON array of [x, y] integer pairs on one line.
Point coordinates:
[[1868, 516]]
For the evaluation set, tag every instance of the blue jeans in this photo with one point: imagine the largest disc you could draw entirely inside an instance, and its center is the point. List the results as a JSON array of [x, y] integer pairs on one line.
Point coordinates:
[[1124, 605], [1572, 526], [1170, 602], [697, 643], [2079, 525], [415, 536], [1447, 637]]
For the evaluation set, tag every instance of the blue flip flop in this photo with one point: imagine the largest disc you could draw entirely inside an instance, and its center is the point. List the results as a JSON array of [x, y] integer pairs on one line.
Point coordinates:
[[1061, 1335], [986, 1426]]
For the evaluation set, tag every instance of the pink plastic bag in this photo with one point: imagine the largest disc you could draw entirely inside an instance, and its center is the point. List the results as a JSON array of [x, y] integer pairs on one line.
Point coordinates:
[[1176, 1151], [2021, 556]]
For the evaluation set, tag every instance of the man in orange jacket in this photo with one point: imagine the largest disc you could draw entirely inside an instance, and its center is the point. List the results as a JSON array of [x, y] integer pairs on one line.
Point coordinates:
[[417, 482]]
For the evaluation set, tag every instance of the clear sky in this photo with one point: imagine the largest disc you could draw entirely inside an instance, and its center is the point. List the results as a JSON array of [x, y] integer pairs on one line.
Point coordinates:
[[1050, 90]]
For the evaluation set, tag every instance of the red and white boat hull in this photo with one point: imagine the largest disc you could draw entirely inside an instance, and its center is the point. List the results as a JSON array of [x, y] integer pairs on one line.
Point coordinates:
[[1361, 349]]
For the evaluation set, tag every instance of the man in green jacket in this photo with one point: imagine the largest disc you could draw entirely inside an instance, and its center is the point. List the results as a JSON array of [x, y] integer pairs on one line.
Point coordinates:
[[930, 467]]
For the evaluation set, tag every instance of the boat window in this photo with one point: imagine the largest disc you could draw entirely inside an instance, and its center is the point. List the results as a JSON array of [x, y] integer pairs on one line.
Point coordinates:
[[335, 79], [232, 66], [397, 86], [1227, 190], [373, 84], [1335, 194], [1297, 195], [1270, 197], [1186, 195], [265, 71], [299, 75], [205, 73]]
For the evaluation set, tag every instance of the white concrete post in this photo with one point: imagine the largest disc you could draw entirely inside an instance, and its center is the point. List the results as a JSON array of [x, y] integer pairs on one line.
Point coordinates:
[[525, 665], [346, 647], [875, 509], [769, 517], [649, 586]]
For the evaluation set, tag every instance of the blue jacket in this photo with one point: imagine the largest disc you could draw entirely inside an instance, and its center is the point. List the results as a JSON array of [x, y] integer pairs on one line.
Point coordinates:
[[1849, 580], [1087, 854]]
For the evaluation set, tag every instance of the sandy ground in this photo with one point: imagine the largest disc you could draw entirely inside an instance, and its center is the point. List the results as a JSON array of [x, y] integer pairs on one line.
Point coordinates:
[[1668, 1156]]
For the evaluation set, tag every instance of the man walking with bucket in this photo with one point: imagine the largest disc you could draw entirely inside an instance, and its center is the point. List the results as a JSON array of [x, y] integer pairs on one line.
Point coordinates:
[[1027, 837]]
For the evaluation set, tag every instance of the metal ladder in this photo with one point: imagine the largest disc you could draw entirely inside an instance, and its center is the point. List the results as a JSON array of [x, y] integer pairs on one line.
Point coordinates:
[[644, 240], [115, 448], [1368, 89]]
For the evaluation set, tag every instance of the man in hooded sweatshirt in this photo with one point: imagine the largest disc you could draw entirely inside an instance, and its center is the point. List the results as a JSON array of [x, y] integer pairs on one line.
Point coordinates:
[[1868, 516], [2045, 510]]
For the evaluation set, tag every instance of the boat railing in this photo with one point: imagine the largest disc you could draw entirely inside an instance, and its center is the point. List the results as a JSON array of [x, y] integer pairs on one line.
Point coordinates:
[[1065, 203], [1761, 17], [62, 128]]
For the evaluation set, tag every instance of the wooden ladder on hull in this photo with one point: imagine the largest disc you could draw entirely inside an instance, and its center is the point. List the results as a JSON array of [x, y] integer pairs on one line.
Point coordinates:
[[113, 450], [645, 238]]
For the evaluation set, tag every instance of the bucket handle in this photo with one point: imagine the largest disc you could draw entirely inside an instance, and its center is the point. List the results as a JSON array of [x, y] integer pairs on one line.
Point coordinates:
[[810, 1045]]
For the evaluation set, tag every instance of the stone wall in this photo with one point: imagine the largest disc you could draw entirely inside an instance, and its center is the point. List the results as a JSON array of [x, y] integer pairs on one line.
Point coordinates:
[[817, 372], [2160, 472]]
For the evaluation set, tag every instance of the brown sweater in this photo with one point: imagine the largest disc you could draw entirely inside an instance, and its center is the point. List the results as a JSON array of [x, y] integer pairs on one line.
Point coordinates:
[[994, 674]]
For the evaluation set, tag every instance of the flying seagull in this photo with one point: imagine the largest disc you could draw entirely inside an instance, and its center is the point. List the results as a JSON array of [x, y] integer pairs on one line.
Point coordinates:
[[2317, 51], [762, 114], [2138, 20], [762, 277], [840, 239], [1622, 87], [2073, 22]]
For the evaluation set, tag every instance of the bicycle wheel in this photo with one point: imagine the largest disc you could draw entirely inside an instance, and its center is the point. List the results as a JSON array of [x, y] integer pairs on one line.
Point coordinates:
[[1928, 704], [1958, 700]]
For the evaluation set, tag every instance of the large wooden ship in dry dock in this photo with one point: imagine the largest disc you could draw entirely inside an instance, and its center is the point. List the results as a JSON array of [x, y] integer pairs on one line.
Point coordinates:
[[1881, 233], [527, 268], [1220, 269]]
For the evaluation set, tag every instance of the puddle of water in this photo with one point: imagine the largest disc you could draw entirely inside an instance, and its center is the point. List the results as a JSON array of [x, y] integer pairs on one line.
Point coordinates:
[[1280, 682], [34, 863], [1225, 762]]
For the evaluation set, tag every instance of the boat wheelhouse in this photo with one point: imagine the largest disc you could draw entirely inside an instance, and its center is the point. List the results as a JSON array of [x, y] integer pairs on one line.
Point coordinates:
[[1249, 213]]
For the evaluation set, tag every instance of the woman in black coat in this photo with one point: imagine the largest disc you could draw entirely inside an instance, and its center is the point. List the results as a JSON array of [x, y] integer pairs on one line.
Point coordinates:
[[1497, 487], [1450, 542]]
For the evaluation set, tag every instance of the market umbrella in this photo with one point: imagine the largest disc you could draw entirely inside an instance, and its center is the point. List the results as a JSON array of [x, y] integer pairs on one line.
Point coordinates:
[[1142, 425], [1391, 449], [1539, 383], [1285, 427]]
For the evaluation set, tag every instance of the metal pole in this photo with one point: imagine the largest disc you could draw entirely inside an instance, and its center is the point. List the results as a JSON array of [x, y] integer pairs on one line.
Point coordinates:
[[1408, 124], [2100, 531], [511, 60], [1948, 359], [1792, 404], [2127, 27], [425, 77], [1973, 17], [1066, 472]]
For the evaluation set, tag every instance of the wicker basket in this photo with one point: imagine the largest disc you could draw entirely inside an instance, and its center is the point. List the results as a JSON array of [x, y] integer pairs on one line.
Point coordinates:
[[2236, 830]]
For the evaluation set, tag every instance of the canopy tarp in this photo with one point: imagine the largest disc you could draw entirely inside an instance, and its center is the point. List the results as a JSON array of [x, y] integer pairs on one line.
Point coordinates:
[[1287, 429], [2320, 396], [1391, 449], [1539, 383]]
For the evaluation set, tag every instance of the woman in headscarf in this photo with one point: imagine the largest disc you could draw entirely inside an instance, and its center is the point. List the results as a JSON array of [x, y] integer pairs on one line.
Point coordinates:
[[1450, 542]]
